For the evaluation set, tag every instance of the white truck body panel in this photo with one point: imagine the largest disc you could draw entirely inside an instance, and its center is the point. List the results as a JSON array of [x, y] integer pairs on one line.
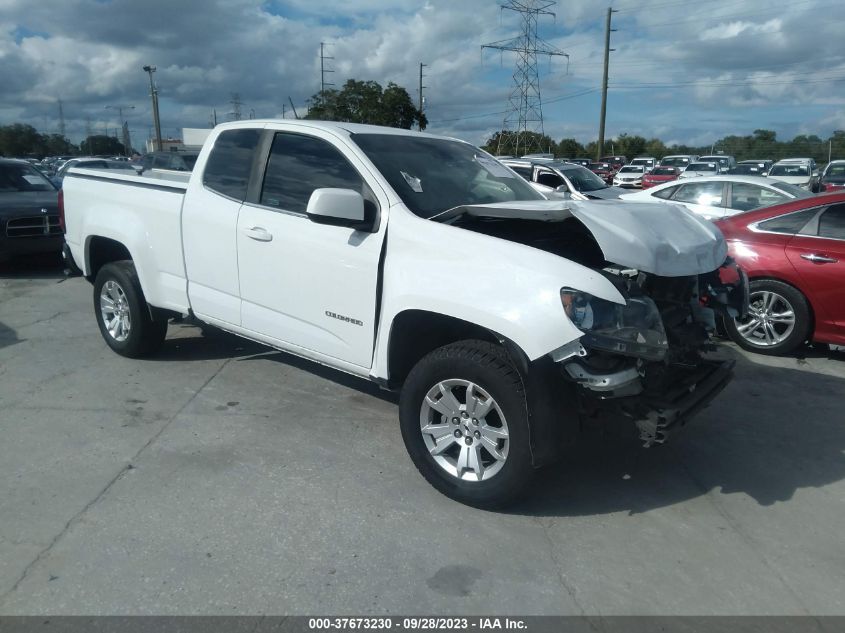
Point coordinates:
[[146, 219], [277, 277]]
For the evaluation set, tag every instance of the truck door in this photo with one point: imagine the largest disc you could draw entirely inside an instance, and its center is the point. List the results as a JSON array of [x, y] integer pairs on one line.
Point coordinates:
[[308, 285], [209, 221]]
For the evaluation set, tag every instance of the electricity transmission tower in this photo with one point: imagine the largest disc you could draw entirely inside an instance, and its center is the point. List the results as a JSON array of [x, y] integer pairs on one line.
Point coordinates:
[[324, 70], [236, 102], [524, 117]]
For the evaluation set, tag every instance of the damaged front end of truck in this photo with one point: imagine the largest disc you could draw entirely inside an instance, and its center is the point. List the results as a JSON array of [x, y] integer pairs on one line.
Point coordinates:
[[645, 359]]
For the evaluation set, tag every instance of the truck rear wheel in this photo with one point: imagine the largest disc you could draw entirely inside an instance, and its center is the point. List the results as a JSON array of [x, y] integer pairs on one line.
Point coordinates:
[[122, 312], [464, 422]]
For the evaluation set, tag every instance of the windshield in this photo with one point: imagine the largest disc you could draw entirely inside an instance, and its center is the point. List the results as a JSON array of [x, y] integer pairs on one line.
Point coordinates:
[[702, 167], [750, 170], [664, 171], [22, 177], [722, 160], [835, 173], [434, 175], [631, 169], [789, 170], [583, 179], [792, 190], [675, 161], [642, 161]]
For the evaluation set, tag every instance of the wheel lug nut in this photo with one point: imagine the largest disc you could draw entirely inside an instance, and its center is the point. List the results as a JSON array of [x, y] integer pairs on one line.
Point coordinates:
[[468, 441], [457, 433], [477, 435], [464, 414], [474, 421]]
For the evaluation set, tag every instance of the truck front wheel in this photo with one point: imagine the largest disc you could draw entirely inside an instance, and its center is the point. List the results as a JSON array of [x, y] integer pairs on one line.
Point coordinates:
[[463, 417], [122, 312]]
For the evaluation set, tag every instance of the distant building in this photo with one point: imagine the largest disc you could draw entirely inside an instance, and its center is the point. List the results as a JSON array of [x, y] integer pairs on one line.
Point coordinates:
[[167, 145], [194, 137]]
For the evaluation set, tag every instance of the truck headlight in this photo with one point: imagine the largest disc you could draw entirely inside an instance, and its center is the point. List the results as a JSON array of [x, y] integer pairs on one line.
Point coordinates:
[[634, 329]]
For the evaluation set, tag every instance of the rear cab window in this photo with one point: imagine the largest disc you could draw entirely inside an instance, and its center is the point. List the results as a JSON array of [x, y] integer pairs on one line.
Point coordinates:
[[229, 165]]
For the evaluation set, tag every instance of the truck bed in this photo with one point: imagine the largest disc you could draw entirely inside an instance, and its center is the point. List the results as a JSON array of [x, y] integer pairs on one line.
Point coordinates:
[[143, 213]]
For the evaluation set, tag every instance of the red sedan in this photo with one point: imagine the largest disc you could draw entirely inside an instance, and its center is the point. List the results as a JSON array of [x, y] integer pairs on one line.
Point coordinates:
[[659, 175], [794, 255]]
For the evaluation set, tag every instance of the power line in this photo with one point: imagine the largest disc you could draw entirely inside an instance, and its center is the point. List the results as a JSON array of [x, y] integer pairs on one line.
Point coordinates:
[[565, 97]]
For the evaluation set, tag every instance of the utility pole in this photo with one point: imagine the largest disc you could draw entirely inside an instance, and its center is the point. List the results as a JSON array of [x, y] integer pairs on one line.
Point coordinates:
[[284, 111], [323, 71], [293, 107], [422, 99], [607, 50], [62, 129], [154, 96]]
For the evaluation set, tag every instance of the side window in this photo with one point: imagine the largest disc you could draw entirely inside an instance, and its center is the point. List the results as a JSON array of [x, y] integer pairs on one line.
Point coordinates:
[[147, 162], [525, 172], [745, 197], [790, 223], [832, 222], [230, 162], [300, 164], [704, 193], [665, 194], [161, 162], [549, 179]]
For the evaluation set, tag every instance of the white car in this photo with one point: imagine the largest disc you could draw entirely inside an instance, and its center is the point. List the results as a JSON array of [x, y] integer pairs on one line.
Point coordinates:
[[424, 265], [629, 176], [714, 197], [724, 162], [678, 160], [646, 162], [801, 172], [694, 170]]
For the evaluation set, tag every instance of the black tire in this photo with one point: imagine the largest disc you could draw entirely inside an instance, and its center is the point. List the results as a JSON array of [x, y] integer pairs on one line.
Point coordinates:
[[487, 366], [800, 308], [144, 336]]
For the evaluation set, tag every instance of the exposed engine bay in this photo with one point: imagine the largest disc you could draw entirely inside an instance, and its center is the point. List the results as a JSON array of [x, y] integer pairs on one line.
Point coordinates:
[[643, 359]]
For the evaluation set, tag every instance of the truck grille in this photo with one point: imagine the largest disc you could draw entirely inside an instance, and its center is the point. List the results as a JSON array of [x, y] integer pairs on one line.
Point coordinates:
[[35, 226]]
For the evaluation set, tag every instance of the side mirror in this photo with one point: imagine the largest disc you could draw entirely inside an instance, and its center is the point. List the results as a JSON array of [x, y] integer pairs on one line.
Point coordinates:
[[564, 191], [340, 207]]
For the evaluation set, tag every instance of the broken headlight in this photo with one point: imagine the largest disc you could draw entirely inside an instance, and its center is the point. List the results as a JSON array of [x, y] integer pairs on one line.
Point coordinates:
[[634, 329]]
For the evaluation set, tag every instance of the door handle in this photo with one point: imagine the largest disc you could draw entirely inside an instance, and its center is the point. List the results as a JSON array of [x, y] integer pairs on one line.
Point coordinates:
[[258, 233], [818, 259]]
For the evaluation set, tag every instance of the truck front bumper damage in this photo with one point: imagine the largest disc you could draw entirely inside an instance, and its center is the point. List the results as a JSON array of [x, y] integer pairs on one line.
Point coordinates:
[[656, 407]]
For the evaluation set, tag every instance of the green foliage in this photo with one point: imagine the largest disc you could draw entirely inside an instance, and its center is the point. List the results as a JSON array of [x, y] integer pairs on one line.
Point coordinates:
[[366, 102], [21, 140], [509, 143], [101, 144], [570, 148]]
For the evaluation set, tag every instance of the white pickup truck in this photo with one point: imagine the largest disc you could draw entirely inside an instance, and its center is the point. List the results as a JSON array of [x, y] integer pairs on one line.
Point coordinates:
[[507, 320]]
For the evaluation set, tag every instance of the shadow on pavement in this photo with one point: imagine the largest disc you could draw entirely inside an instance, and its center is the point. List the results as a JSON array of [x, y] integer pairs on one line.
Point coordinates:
[[33, 267], [774, 430], [8, 336]]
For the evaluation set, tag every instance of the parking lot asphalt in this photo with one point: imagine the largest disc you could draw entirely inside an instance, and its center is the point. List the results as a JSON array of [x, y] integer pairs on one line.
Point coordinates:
[[223, 477]]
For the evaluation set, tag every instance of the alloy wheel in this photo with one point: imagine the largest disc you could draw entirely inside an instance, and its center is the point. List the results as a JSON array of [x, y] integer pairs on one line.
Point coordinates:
[[770, 320], [114, 308]]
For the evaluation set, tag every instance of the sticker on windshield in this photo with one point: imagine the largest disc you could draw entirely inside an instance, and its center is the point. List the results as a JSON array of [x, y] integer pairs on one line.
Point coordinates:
[[493, 166], [413, 182]]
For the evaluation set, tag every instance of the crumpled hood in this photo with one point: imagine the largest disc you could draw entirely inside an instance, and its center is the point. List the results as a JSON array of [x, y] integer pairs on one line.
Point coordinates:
[[660, 238]]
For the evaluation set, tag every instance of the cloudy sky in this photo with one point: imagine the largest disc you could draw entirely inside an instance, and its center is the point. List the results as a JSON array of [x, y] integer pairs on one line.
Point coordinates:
[[683, 70]]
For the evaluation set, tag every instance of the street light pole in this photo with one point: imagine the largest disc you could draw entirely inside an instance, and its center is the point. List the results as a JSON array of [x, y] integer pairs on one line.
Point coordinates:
[[154, 96]]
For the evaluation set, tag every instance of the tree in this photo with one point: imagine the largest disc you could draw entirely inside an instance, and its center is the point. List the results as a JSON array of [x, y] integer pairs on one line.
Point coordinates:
[[570, 148], [366, 102], [101, 144], [510, 143], [19, 139]]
